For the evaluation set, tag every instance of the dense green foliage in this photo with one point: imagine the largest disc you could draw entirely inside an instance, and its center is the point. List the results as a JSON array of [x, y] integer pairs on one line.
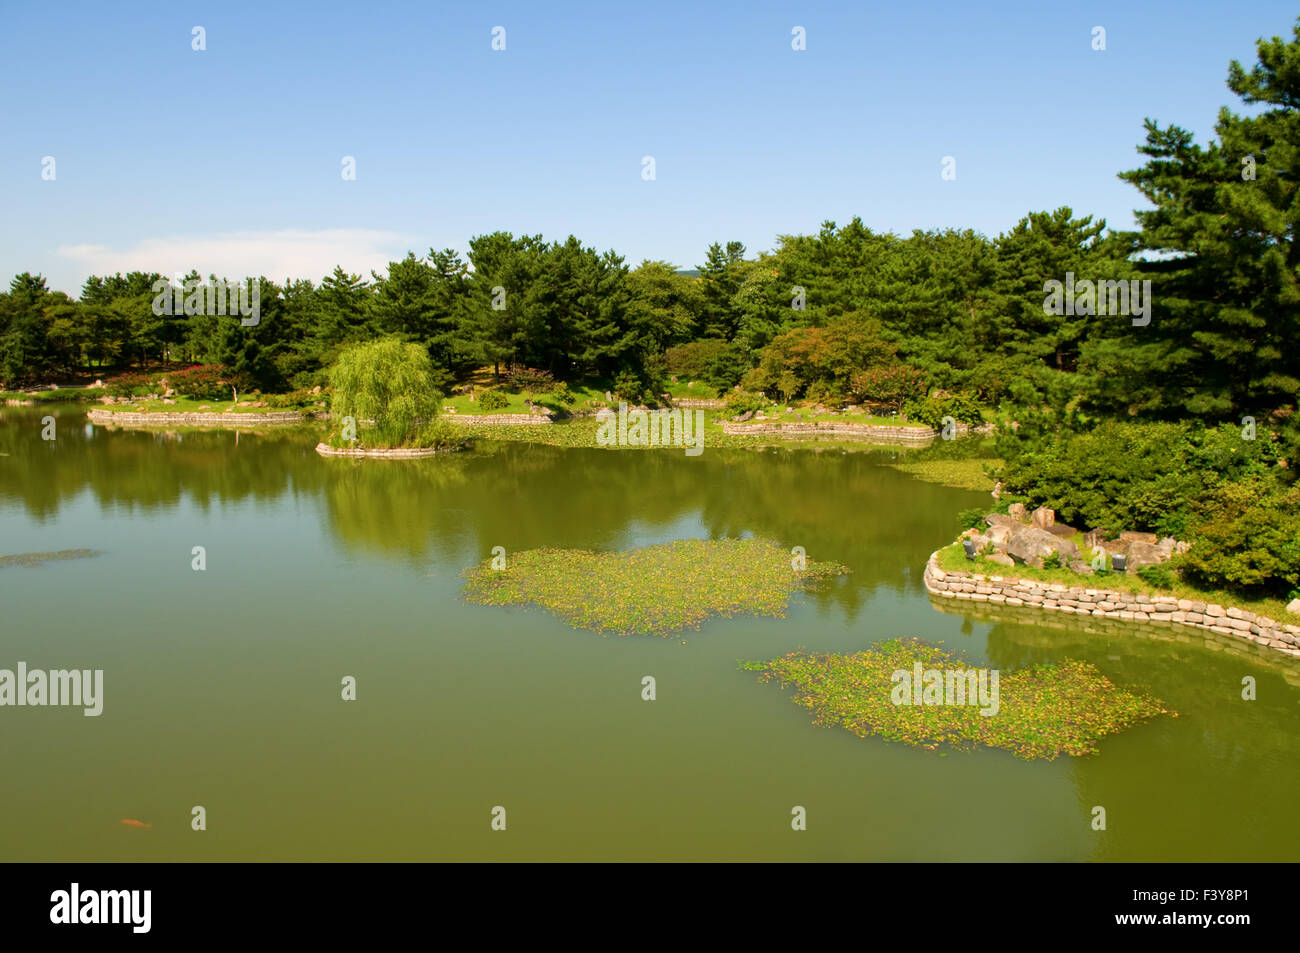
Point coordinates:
[[1210, 486], [492, 400], [845, 313], [1248, 539], [932, 410], [1145, 477], [390, 385], [1118, 419]]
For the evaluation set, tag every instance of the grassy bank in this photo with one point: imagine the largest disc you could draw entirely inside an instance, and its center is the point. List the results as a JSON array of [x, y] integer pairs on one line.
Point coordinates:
[[63, 395], [972, 474]]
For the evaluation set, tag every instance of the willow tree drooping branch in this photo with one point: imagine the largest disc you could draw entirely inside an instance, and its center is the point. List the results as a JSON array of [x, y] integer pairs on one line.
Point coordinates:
[[390, 385]]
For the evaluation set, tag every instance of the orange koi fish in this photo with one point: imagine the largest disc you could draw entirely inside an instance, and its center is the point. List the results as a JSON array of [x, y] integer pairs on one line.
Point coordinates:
[[132, 822]]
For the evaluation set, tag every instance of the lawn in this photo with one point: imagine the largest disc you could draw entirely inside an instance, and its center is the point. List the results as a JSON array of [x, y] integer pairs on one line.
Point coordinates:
[[697, 390], [963, 474], [583, 397]]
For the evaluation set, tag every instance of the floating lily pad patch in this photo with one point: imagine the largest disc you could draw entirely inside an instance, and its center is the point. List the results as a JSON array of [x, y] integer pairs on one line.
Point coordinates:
[[655, 590], [909, 691], [32, 560]]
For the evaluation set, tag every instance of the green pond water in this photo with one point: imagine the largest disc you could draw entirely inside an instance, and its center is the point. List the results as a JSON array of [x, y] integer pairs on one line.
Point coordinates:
[[222, 687]]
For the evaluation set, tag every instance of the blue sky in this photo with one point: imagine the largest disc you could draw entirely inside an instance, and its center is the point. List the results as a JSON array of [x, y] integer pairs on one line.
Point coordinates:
[[229, 159]]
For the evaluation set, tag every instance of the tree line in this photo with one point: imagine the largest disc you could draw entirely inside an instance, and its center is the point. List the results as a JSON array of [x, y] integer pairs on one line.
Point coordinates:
[[954, 309]]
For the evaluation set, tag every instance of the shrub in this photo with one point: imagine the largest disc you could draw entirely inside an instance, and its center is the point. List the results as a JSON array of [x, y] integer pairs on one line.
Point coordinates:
[[888, 386], [693, 361], [729, 367], [529, 379], [628, 387], [1161, 577], [492, 400], [1141, 476], [742, 402], [1250, 544], [1052, 560], [829, 355], [298, 398], [931, 410], [131, 385], [562, 393], [201, 382], [971, 519], [822, 392], [439, 433]]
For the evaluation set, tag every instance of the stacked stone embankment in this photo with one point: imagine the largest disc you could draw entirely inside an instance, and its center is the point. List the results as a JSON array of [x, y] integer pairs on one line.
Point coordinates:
[[504, 420], [170, 419], [398, 453], [1111, 604], [835, 428]]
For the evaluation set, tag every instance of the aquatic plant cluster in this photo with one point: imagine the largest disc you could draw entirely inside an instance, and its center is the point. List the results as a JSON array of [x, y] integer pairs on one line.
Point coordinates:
[[657, 590], [32, 560], [1044, 710]]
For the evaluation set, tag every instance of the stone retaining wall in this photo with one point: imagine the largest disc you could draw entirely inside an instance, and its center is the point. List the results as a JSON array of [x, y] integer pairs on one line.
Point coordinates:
[[197, 419], [1111, 604], [1055, 632], [400, 453], [832, 428], [699, 403], [506, 420]]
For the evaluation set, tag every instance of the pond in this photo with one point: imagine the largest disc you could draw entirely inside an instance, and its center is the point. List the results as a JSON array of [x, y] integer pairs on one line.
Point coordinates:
[[222, 686]]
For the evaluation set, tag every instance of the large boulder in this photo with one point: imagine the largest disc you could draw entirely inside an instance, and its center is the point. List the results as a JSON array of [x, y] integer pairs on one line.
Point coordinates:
[[1094, 537], [1030, 543], [1293, 607], [998, 519], [1001, 559], [1143, 554], [1131, 537], [1017, 512], [1043, 517], [998, 535]]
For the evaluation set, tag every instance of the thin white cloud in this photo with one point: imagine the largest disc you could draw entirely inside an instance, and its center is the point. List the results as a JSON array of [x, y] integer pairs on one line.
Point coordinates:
[[277, 255]]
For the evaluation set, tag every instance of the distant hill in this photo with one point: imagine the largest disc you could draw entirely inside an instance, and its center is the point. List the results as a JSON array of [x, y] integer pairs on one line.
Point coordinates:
[[689, 272]]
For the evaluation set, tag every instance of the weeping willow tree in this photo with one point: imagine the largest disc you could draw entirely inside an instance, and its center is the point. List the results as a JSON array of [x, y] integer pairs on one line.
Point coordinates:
[[388, 390]]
